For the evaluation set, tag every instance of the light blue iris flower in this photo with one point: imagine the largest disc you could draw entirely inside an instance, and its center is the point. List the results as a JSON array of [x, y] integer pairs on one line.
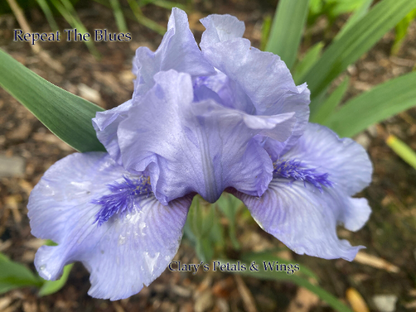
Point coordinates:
[[227, 117]]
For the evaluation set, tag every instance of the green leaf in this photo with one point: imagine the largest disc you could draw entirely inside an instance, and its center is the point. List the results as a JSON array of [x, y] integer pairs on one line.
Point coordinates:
[[357, 40], [48, 14], [144, 20], [287, 28], [358, 14], [202, 228], [315, 6], [66, 9], [216, 234], [401, 31], [194, 219], [339, 7], [201, 217], [379, 103], [265, 31], [328, 107], [15, 275], [50, 287], [310, 58], [204, 249], [65, 114], [402, 149], [136, 14], [229, 206], [168, 4], [118, 15]]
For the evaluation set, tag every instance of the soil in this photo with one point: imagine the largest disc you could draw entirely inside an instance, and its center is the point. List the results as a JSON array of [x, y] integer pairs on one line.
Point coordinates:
[[389, 234]]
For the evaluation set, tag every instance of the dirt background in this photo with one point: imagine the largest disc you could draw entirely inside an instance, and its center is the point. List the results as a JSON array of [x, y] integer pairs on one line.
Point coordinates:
[[29, 149]]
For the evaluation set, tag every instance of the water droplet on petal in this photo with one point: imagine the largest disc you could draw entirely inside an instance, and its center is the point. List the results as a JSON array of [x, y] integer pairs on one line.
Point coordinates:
[[121, 240], [42, 267], [151, 261], [142, 225]]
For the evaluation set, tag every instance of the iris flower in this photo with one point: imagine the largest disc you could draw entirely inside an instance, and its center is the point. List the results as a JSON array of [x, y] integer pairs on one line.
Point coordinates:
[[228, 117]]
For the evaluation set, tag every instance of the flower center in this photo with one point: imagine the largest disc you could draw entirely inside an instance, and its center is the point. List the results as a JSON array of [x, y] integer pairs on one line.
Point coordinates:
[[293, 169], [122, 198]]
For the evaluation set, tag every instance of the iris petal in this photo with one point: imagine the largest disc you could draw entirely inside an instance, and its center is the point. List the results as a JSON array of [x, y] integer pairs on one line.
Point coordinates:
[[106, 124], [258, 82], [198, 147], [303, 213], [122, 254], [221, 28], [304, 219], [178, 50], [346, 161]]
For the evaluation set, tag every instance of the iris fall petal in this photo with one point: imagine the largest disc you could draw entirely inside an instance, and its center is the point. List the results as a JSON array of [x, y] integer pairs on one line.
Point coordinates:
[[305, 217], [123, 254]]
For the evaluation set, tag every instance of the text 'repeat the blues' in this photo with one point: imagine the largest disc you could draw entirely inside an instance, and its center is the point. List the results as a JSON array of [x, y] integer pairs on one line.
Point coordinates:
[[71, 35]]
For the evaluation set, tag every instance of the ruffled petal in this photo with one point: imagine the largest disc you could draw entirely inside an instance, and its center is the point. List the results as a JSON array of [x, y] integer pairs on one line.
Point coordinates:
[[178, 50], [198, 147], [277, 127], [106, 123], [310, 194], [124, 253], [346, 162], [223, 90], [221, 28], [257, 80], [305, 219], [263, 75]]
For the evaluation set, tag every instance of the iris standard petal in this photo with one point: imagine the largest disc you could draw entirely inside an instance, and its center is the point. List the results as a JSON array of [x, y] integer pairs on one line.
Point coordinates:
[[127, 250], [263, 75], [106, 123], [258, 82], [198, 147], [221, 28], [178, 50], [310, 194]]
